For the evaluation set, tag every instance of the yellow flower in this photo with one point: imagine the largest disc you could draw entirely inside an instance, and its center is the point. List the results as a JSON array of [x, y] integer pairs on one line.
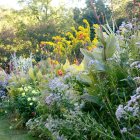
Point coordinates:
[[42, 43], [81, 28], [90, 48], [73, 28], [96, 26], [57, 38], [95, 41], [50, 43], [85, 21]]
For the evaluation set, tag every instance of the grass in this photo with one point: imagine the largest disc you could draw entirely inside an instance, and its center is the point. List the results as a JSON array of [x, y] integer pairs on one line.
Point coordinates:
[[8, 134]]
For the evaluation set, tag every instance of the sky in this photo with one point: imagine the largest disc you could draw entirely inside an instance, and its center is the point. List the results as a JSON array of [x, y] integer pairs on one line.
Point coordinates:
[[9, 3], [69, 3]]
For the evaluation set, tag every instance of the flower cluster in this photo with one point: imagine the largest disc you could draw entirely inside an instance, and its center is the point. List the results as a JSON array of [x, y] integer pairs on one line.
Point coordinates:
[[57, 84], [132, 107], [27, 101], [53, 125], [3, 89], [135, 64], [63, 47], [137, 80], [52, 98]]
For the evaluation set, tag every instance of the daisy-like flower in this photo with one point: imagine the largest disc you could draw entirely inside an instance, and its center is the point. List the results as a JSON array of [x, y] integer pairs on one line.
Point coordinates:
[[34, 99], [26, 89], [124, 130], [31, 104], [23, 94], [28, 99]]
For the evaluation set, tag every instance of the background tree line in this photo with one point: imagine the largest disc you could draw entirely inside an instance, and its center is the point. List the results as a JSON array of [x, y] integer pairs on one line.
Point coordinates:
[[21, 31]]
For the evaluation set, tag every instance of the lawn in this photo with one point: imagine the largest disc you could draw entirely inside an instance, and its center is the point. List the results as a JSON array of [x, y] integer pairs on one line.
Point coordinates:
[[7, 134]]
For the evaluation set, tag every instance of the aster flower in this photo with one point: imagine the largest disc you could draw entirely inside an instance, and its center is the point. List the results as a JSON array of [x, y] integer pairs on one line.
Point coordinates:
[[120, 112], [135, 64], [124, 130]]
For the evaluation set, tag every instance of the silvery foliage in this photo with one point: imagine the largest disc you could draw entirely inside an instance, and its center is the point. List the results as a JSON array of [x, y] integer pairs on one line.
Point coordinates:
[[32, 123], [21, 64], [132, 107], [53, 126]]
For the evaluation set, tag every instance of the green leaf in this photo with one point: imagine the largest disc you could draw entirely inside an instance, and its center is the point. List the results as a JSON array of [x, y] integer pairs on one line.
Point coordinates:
[[98, 66], [96, 57], [84, 78], [111, 45], [93, 99], [87, 53]]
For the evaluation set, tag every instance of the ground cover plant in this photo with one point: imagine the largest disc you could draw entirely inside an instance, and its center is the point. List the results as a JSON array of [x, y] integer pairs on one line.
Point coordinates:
[[85, 84]]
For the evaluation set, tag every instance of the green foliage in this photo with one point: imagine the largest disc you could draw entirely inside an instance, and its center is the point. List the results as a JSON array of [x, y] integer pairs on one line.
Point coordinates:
[[97, 99], [26, 102], [22, 31], [103, 53]]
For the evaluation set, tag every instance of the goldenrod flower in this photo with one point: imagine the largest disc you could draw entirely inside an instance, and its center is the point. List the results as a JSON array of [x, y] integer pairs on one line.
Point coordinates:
[[95, 41], [96, 26]]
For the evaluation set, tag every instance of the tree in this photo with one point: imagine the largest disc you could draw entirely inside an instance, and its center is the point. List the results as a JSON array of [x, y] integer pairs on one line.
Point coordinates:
[[88, 13], [22, 31]]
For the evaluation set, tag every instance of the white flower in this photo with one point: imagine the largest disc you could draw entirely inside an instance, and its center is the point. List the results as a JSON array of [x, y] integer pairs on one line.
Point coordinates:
[[124, 130], [23, 94], [28, 99], [10, 127], [29, 87], [34, 99], [26, 89], [34, 92], [31, 103]]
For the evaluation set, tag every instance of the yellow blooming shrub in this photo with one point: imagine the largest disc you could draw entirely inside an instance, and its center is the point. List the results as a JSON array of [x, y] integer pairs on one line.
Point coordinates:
[[65, 47]]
